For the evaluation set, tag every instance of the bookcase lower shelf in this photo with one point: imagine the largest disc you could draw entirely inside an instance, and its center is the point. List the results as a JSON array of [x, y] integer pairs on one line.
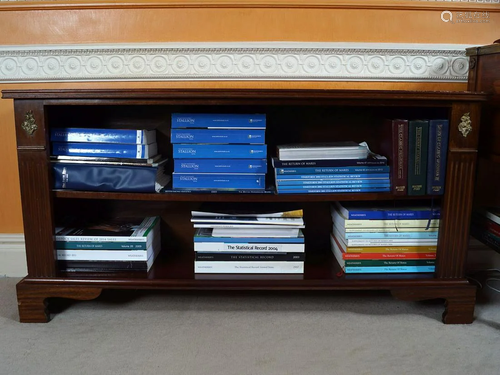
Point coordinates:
[[178, 274]]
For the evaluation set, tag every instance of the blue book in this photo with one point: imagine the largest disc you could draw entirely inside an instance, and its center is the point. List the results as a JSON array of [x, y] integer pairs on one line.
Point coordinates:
[[218, 181], [218, 136], [331, 191], [377, 181], [391, 235], [199, 151], [97, 177], [437, 151], [205, 235], [353, 211], [106, 150], [220, 165], [127, 136], [332, 176], [390, 269], [218, 121], [350, 186], [331, 170]]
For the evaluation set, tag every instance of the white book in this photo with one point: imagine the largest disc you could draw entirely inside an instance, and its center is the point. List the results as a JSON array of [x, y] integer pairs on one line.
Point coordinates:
[[249, 220], [245, 226], [323, 151], [255, 232], [293, 213], [248, 267], [249, 247], [129, 255]]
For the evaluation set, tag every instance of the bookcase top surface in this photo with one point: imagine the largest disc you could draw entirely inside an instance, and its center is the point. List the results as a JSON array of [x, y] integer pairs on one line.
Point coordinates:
[[242, 94]]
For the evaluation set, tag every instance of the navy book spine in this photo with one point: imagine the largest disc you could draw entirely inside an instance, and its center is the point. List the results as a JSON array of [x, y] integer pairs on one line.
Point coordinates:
[[438, 150], [220, 165], [218, 136], [218, 121], [316, 170]]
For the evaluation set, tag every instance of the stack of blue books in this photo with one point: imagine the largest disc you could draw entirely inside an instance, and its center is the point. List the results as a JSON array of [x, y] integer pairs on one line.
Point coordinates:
[[124, 160], [219, 151], [345, 167]]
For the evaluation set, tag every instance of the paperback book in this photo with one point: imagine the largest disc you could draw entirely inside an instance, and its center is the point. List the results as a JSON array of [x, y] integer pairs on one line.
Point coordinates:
[[94, 135]]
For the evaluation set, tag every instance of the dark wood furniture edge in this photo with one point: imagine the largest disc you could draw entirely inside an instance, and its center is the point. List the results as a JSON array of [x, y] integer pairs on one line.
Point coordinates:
[[32, 298], [459, 300]]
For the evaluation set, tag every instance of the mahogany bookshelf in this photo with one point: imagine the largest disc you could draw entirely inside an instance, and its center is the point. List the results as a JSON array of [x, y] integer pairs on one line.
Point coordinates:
[[292, 116]]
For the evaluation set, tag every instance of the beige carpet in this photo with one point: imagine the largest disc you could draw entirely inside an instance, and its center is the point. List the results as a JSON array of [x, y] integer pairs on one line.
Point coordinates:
[[188, 333]]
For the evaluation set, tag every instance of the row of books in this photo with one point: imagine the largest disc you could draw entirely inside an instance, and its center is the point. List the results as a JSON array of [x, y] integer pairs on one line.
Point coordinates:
[[108, 245], [249, 243], [219, 151], [124, 160], [485, 226], [417, 151], [344, 167], [367, 239]]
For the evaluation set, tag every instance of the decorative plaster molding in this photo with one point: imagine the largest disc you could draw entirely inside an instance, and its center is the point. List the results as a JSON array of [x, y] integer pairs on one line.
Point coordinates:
[[235, 61]]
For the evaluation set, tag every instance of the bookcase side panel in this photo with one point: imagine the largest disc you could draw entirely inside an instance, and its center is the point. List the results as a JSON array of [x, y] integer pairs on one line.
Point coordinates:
[[35, 181], [459, 191]]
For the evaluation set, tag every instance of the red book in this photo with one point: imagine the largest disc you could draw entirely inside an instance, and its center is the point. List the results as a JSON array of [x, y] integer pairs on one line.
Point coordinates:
[[394, 146]]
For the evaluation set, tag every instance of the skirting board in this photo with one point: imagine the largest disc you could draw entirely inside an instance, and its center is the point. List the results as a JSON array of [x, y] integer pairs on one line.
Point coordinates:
[[12, 255]]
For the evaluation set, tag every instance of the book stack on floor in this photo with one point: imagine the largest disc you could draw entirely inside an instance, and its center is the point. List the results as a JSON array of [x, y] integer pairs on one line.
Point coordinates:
[[114, 245], [485, 226], [219, 151], [265, 243], [377, 239], [416, 150], [124, 160], [345, 167]]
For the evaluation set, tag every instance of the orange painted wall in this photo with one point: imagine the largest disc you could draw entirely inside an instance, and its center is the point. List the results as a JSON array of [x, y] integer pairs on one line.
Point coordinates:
[[141, 25]]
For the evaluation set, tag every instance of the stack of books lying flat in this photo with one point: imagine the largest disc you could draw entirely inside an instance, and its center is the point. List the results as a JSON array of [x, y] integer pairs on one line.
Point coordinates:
[[113, 245], [485, 226], [219, 151], [124, 160], [377, 239], [345, 167], [249, 243]]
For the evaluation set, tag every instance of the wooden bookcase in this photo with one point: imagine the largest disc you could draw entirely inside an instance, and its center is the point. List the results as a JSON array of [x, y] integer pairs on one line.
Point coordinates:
[[292, 116]]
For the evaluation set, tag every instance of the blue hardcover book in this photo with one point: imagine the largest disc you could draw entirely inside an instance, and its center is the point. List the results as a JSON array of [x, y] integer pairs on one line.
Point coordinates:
[[332, 176], [218, 136], [350, 186], [345, 170], [392, 235], [199, 151], [128, 136], [331, 191], [218, 181], [220, 165], [97, 177], [377, 181], [108, 150], [389, 269], [437, 151], [205, 235], [362, 211], [218, 121]]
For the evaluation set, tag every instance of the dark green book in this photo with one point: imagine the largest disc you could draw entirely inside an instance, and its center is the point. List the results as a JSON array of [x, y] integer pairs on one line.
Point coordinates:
[[418, 143], [389, 263]]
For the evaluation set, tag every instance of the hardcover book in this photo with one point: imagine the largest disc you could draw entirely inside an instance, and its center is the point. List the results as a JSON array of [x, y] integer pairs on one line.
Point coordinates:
[[438, 150], [395, 146], [222, 136], [108, 150], [218, 121], [199, 151], [93, 135], [220, 165], [418, 142]]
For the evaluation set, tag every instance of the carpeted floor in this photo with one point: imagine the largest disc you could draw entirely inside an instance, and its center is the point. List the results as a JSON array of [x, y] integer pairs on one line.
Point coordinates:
[[188, 333]]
